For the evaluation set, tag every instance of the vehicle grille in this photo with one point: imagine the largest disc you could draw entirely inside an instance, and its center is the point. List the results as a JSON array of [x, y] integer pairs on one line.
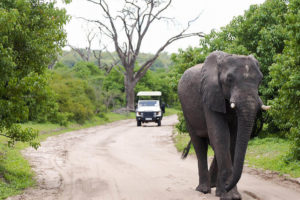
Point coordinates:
[[148, 114]]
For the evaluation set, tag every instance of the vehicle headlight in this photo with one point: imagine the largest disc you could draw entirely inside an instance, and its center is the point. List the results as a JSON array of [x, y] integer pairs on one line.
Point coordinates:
[[157, 113], [139, 114]]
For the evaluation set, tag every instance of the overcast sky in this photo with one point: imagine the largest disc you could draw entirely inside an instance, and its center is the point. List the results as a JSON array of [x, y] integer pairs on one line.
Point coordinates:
[[214, 14]]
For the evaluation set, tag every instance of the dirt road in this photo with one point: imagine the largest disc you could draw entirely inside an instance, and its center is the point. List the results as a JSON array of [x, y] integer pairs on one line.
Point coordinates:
[[120, 161]]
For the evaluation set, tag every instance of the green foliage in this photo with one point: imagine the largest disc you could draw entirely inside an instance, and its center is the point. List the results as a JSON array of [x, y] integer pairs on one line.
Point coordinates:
[[31, 34], [112, 90], [270, 154], [74, 96], [41, 102], [16, 172], [181, 62], [70, 58], [156, 81], [85, 70], [181, 125], [83, 91], [285, 75]]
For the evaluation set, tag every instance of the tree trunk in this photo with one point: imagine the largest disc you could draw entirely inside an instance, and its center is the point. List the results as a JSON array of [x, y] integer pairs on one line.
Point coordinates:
[[129, 89], [129, 83]]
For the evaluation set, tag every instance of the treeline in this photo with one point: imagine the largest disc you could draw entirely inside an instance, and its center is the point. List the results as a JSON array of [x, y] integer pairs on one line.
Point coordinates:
[[270, 32], [70, 58]]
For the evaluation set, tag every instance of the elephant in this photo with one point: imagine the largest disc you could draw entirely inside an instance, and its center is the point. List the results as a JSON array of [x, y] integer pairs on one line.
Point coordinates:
[[220, 101]]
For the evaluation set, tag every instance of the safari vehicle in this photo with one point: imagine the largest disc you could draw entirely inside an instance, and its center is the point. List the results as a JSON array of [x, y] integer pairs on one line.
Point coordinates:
[[149, 107]]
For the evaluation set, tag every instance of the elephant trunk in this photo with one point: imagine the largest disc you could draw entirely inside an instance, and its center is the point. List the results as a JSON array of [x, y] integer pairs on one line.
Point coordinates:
[[246, 114]]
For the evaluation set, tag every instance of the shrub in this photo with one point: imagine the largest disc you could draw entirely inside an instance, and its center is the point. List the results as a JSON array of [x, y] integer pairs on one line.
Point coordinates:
[[181, 125], [74, 96]]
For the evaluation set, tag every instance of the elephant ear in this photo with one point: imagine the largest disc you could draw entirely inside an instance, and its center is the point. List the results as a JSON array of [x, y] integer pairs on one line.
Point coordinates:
[[210, 89]]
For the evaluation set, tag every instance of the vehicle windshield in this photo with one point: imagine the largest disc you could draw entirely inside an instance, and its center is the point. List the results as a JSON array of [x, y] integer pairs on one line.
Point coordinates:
[[149, 103]]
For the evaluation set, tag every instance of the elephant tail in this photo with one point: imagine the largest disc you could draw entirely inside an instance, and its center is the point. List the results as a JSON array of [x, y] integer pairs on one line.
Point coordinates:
[[186, 150]]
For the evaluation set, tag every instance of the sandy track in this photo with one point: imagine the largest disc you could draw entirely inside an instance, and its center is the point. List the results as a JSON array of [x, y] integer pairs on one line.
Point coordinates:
[[120, 161]]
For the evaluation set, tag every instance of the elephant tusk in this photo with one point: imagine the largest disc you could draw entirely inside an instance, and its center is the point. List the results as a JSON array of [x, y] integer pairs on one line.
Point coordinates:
[[232, 105], [264, 107]]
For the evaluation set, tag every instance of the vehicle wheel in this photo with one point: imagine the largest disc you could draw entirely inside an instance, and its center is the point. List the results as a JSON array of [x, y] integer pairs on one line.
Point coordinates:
[[139, 123], [159, 123]]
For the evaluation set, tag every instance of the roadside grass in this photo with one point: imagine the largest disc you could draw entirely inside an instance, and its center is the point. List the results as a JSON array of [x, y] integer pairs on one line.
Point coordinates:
[[171, 111], [15, 171], [263, 153], [181, 141], [270, 154]]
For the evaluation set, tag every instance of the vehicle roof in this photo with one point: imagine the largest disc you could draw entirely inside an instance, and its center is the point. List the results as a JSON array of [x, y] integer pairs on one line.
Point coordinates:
[[148, 100], [149, 93]]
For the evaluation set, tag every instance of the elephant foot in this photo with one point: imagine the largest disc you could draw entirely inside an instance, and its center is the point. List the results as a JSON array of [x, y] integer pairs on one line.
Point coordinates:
[[213, 183], [218, 192], [203, 188], [235, 194], [231, 195]]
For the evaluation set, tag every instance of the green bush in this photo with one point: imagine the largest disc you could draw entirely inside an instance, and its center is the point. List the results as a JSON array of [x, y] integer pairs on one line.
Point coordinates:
[[285, 75], [181, 125], [74, 96]]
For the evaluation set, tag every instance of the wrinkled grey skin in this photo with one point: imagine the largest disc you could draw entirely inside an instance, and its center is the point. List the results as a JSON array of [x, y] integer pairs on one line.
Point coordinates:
[[206, 92]]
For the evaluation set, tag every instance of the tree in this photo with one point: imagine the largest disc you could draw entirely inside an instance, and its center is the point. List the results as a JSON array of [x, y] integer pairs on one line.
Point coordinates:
[[76, 98], [134, 20], [285, 75], [86, 53], [31, 34]]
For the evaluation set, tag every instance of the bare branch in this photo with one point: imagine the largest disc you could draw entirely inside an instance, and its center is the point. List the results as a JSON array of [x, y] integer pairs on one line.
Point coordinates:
[[113, 30], [161, 10], [109, 33], [128, 34], [80, 52], [142, 71], [120, 70], [133, 4]]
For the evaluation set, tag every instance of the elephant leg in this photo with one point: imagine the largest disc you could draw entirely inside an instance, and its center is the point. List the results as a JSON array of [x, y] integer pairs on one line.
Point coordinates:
[[213, 172], [219, 137], [233, 133], [201, 145]]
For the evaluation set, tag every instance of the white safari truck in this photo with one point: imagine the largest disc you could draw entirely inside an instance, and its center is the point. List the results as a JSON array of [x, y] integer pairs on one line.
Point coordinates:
[[149, 107]]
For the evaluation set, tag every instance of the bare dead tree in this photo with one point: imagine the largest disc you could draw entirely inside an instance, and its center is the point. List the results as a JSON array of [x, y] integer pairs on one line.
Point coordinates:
[[135, 18], [98, 56], [86, 53]]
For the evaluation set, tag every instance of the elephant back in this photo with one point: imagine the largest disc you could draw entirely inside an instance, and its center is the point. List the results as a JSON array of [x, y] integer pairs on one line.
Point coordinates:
[[190, 80]]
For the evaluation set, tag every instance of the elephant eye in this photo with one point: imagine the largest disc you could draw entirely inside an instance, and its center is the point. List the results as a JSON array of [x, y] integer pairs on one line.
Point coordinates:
[[229, 78]]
